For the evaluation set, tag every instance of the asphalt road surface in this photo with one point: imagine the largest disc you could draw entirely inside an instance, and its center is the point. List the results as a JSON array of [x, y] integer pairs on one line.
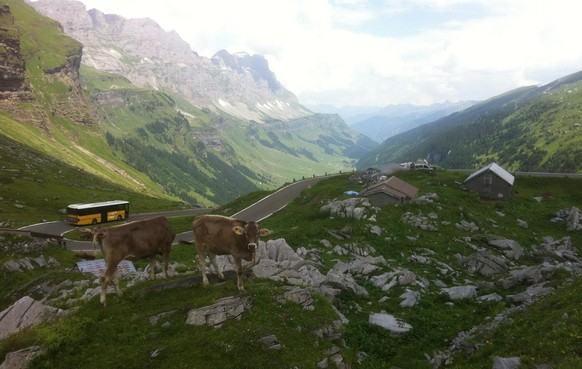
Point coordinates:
[[258, 211], [276, 201]]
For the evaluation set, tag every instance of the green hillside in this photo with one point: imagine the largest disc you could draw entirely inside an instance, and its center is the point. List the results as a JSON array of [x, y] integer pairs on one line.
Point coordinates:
[[146, 328], [151, 141], [35, 187], [529, 129], [203, 157]]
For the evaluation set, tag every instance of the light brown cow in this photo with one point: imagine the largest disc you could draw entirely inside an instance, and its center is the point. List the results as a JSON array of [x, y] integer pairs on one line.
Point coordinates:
[[135, 240], [218, 235]]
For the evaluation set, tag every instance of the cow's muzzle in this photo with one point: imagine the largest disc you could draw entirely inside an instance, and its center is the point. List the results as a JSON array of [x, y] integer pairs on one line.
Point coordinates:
[[252, 247]]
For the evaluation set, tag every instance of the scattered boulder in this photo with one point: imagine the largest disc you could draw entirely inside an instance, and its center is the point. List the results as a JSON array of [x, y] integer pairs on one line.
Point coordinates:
[[485, 263], [27, 263], [410, 298], [270, 342], [215, 315], [461, 292], [463, 225], [345, 282], [389, 322], [24, 313], [522, 223], [352, 208], [506, 363], [426, 223], [360, 266], [427, 199], [280, 263], [531, 293], [527, 275], [512, 249], [569, 216], [490, 297], [573, 220], [299, 295], [398, 277], [20, 359], [376, 230], [561, 249]]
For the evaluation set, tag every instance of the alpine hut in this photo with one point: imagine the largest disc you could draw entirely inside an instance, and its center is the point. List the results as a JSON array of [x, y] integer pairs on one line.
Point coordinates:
[[491, 182]]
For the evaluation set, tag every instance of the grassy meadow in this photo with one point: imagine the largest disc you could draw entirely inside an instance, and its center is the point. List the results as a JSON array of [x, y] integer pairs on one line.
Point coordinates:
[[547, 332]]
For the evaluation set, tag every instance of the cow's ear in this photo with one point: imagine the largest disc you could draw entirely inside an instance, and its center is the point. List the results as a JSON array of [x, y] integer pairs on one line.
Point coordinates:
[[264, 232], [238, 230]]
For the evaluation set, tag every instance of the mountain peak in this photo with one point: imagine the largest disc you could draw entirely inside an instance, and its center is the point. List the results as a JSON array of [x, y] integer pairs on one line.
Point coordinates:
[[242, 62]]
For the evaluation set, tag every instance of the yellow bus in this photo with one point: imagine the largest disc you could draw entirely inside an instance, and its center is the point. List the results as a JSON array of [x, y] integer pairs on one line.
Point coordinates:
[[97, 212]]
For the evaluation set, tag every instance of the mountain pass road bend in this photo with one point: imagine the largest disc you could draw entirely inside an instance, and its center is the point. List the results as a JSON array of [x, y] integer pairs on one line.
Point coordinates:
[[260, 210]]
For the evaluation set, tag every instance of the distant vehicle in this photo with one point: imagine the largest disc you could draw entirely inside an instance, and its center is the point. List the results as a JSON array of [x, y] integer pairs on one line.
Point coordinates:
[[421, 166], [97, 212]]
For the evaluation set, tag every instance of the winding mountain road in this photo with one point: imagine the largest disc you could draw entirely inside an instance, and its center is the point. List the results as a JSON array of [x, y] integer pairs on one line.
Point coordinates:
[[260, 210]]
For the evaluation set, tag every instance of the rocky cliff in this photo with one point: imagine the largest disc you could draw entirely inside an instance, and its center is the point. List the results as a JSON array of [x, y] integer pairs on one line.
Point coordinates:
[[13, 81], [141, 51], [60, 73]]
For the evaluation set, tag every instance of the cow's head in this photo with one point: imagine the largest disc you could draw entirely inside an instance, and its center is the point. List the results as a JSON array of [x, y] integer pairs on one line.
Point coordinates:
[[251, 232], [98, 235]]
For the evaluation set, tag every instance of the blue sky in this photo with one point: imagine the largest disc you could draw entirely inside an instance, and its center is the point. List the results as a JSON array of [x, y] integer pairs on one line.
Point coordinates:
[[377, 53]]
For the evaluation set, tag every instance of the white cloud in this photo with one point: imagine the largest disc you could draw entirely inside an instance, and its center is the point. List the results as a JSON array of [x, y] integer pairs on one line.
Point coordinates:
[[421, 51]]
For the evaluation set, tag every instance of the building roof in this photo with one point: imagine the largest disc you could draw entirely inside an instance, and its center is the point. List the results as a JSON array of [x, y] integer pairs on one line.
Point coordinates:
[[393, 186], [493, 167]]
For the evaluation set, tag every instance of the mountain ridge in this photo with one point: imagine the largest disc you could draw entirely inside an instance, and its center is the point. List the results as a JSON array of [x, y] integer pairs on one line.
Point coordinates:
[[104, 124], [148, 56], [528, 129]]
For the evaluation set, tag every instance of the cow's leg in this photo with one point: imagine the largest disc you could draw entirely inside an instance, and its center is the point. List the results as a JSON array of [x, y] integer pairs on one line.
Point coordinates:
[[212, 258], [165, 260], [153, 267], [239, 270], [104, 282], [108, 277], [202, 263], [255, 261], [116, 283]]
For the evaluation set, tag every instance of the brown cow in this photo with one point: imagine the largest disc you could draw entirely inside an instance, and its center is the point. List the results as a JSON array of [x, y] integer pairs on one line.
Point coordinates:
[[218, 235], [135, 240]]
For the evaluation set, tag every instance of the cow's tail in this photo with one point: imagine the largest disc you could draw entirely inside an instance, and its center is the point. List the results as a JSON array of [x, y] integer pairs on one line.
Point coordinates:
[[97, 240]]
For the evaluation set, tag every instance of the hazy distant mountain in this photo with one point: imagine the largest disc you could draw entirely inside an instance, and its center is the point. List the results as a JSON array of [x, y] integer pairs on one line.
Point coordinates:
[[528, 129], [351, 114], [382, 123]]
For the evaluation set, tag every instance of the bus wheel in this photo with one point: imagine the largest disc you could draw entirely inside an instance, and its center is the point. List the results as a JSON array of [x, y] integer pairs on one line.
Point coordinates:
[[119, 217], [94, 221]]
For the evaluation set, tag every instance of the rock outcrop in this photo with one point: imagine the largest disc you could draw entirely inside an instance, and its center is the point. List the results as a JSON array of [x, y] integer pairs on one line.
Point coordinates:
[[15, 87], [13, 81], [24, 313]]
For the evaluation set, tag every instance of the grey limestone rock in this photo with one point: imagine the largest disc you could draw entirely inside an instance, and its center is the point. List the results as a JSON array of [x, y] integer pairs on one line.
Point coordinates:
[[389, 322], [24, 313]]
